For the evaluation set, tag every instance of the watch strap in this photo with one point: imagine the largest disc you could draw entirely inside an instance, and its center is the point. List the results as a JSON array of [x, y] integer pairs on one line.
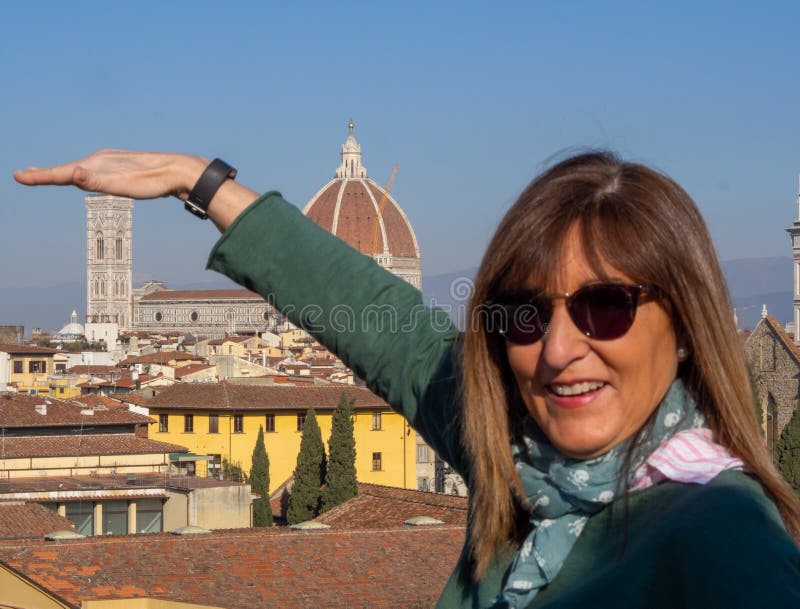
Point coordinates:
[[207, 186]]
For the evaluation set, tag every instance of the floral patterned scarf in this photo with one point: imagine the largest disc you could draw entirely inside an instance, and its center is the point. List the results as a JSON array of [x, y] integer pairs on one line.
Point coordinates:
[[563, 492]]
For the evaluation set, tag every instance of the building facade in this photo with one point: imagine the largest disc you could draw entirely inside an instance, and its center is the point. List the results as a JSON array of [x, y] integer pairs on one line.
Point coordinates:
[[222, 421], [109, 260], [204, 313]]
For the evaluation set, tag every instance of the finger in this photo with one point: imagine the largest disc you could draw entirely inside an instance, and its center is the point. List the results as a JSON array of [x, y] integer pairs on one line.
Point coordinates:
[[87, 180], [35, 176]]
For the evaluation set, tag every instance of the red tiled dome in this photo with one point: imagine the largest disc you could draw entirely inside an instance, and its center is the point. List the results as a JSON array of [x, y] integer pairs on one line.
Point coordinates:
[[348, 207]]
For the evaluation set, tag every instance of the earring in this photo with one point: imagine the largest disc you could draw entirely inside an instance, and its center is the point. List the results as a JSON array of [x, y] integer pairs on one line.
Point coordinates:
[[683, 353]]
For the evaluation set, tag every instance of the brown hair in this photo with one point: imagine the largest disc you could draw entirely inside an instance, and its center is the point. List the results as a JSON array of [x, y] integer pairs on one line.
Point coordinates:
[[645, 225]]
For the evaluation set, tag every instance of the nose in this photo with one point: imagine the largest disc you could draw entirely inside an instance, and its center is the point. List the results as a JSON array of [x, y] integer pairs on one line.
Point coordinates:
[[563, 343]]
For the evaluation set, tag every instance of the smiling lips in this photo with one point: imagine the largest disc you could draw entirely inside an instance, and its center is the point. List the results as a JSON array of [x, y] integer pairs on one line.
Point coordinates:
[[574, 395]]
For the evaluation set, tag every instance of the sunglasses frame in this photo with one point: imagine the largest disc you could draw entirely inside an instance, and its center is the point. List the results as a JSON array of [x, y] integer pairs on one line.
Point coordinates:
[[514, 303]]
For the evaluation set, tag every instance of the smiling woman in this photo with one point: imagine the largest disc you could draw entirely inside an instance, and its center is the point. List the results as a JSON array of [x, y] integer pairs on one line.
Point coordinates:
[[605, 428]]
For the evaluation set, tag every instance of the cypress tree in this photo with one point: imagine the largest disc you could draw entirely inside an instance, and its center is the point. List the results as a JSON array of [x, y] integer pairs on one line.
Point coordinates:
[[787, 452], [259, 482], [309, 474], [340, 483]]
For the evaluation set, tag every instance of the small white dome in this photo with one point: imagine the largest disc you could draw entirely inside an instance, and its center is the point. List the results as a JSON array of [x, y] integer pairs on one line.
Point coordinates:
[[73, 328]]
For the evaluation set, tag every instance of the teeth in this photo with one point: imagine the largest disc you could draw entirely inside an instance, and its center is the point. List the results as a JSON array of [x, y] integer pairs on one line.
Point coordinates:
[[577, 388]]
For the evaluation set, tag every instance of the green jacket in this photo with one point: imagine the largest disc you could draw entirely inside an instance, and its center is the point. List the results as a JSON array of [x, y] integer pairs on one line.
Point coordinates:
[[721, 545]]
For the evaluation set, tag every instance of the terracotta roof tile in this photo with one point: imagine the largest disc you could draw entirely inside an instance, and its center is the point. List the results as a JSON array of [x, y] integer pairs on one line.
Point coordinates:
[[256, 397], [784, 337], [191, 369], [377, 507], [159, 357], [26, 349], [19, 410], [172, 295], [82, 445], [29, 520], [396, 568]]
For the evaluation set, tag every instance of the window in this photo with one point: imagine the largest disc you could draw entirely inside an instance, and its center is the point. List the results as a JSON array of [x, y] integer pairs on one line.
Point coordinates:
[[376, 421], [148, 515], [17, 366], [269, 425], [81, 514], [37, 366], [301, 421], [158, 316], [214, 469], [118, 247], [423, 485], [61, 368], [163, 423], [193, 316], [238, 423], [213, 423], [188, 423], [99, 249], [115, 517], [376, 462], [422, 454]]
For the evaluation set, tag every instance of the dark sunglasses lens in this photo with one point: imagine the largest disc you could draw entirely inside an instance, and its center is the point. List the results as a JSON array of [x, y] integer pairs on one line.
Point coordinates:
[[604, 312], [524, 323]]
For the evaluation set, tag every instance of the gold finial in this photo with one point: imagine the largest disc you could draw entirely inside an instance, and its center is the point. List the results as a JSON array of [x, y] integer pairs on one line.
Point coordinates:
[[351, 126]]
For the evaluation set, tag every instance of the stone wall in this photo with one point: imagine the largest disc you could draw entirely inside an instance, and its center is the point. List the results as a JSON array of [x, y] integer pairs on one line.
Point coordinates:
[[776, 372]]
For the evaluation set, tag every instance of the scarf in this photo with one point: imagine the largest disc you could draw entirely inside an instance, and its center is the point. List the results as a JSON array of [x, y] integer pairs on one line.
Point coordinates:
[[562, 493]]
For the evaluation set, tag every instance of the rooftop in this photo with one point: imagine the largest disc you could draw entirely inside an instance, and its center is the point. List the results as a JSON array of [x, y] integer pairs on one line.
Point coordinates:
[[29, 520], [26, 349], [172, 295], [254, 397], [378, 507], [82, 445], [73, 485], [400, 567], [19, 410]]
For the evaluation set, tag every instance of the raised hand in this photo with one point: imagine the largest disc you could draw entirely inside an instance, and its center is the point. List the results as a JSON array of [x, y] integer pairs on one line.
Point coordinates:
[[138, 175], [142, 175]]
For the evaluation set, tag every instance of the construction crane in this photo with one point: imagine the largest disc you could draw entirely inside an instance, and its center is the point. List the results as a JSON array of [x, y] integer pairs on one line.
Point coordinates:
[[381, 204]]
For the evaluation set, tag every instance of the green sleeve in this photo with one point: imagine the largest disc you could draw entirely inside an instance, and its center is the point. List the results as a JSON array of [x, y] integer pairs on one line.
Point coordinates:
[[375, 322]]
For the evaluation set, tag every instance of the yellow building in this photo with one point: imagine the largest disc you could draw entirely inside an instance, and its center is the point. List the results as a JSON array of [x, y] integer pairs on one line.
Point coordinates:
[[66, 386], [27, 367], [222, 421]]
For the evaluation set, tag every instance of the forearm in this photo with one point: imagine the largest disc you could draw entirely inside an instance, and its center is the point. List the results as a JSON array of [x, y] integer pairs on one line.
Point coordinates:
[[143, 175]]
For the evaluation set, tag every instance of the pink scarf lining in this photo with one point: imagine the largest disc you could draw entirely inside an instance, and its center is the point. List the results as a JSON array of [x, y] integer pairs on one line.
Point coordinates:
[[689, 456]]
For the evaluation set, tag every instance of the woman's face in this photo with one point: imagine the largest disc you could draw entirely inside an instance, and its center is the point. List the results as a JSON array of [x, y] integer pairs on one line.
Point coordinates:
[[589, 395]]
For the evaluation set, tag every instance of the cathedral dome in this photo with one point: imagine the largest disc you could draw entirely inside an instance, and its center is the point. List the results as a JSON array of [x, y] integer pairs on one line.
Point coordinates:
[[349, 206], [72, 331]]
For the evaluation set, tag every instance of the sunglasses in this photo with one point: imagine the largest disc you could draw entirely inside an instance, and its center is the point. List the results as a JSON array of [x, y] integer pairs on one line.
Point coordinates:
[[603, 311]]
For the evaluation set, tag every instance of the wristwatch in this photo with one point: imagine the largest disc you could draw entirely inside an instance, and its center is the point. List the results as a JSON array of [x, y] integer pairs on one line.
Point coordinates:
[[207, 186]]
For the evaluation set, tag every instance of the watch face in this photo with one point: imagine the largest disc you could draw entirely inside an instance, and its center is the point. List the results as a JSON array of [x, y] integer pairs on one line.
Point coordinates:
[[194, 209]]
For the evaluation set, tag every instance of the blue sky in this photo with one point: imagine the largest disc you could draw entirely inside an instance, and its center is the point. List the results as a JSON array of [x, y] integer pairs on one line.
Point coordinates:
[[470, 99]]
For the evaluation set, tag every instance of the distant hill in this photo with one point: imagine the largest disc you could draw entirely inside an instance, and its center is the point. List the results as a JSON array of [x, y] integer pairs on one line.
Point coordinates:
[[753, 282]]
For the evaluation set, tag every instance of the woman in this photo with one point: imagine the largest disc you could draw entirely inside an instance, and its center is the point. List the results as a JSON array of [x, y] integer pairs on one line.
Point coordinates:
[[598, 405]]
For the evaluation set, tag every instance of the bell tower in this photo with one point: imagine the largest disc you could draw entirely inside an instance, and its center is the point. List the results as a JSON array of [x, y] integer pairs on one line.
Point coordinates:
[[109, 260], [794, 231]]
